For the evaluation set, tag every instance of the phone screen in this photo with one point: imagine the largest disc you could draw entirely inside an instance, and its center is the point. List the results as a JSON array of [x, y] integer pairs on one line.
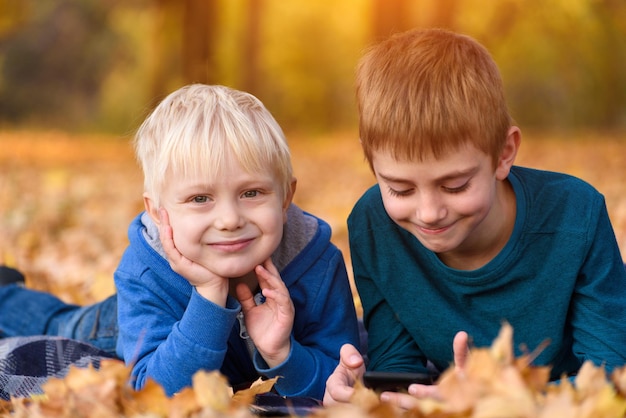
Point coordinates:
[[396, 381]]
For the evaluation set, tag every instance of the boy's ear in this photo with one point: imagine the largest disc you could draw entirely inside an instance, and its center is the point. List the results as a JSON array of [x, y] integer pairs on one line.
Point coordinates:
[[289, 197], [151, 208], [509, 152]]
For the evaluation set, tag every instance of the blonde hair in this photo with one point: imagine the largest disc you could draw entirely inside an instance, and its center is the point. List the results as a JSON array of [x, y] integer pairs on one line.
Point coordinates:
[[427, 92], [194, 128]]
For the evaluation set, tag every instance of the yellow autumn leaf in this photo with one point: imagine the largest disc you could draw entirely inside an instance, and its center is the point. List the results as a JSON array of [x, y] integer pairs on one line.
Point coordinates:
[[604, 403], [590, 379], [150, 400], [212, 390], [502, 347], [618, 377], [364, 397], [246, 396]]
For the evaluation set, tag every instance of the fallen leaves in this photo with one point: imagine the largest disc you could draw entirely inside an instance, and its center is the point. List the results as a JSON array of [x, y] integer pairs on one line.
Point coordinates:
[[494, 385], [104, 392], [497, 385]]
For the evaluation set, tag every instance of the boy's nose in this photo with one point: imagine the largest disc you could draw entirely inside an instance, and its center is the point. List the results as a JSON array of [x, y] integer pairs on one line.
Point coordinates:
[[430, 210], [227, 216]]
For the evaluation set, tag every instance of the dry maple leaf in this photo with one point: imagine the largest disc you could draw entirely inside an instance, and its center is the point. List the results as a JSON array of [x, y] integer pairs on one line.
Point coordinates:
[[84, 392], [618, 377], [502, 347], [493, 384], [364, 403], [596, 396], [212, 390], [590, 379], [183, 404], [150, 400], [5, 407], [364, 397], [247, 396], [559, 403]]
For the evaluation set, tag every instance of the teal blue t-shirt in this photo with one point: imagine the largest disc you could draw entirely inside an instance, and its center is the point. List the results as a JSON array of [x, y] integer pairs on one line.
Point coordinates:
[[560, 278]]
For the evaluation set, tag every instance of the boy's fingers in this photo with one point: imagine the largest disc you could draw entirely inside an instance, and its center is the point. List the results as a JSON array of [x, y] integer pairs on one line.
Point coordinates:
[[270, 267], [460, 348], [337, 393], [424, 391], [268, 278], [245, 297], [165, 233], [350, 357], [401, 400]]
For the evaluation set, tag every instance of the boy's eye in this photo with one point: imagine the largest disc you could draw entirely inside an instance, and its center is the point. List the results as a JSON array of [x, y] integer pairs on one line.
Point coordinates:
[[200, 199], [250, 193], [399, 193], [457, 189]]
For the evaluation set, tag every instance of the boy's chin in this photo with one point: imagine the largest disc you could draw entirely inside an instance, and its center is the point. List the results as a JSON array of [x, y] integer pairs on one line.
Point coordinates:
[[437, 247], [237, 272]]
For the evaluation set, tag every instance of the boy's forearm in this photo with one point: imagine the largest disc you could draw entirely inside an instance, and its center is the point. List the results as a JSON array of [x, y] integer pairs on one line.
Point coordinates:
[[172, 357]]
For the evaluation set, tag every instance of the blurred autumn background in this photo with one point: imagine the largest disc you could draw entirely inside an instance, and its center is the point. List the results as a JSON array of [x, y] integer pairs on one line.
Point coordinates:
[[77, 77]]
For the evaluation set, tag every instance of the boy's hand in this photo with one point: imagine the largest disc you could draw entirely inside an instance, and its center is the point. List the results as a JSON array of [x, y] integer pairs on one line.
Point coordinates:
[[340, 384], [269, 324], [460, 347], [208, 284]]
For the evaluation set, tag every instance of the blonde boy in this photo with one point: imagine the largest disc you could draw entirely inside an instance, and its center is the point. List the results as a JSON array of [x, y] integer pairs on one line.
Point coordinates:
[[222, 272]]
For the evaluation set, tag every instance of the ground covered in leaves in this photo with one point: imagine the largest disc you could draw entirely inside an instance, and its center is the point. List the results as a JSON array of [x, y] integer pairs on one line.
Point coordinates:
[[66, 200], [495, 385]]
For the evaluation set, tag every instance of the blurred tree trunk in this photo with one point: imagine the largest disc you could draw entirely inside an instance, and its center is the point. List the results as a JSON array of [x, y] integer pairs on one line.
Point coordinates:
[[392, 16], [159, 39], [200, 23], [444, 14], [389, 17], [250, 59], [611, 60]]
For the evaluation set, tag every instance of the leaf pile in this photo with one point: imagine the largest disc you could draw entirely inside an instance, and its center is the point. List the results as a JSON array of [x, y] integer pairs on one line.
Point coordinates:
[[104, 392], [494, 385], [497, 385]]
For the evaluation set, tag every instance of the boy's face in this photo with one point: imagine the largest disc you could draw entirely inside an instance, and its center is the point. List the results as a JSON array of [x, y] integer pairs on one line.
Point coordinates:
[[228, 224], [455, 205]]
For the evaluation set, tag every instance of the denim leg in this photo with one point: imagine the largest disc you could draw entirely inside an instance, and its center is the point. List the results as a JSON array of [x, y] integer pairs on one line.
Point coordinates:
[[25, 312], [94, 324]]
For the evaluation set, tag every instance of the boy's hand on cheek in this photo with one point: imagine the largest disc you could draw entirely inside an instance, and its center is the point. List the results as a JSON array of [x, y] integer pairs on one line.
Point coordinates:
[[209, 285], [269, 324]]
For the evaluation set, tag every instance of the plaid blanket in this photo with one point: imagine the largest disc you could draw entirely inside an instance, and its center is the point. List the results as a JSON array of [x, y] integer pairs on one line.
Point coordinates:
[[27, 362]]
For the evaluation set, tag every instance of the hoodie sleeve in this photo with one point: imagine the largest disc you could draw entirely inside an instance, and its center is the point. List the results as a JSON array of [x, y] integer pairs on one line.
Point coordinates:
[[167, 340]]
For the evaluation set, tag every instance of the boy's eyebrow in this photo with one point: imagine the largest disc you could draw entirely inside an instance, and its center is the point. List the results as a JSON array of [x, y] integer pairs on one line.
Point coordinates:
[[450, 176]]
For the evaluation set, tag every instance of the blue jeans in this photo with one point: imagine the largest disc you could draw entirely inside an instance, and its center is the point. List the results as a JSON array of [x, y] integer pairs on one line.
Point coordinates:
[[26, 312]]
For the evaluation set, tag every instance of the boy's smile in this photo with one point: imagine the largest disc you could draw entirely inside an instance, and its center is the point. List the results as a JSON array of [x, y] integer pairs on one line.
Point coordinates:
[[231, 246], [455, 205], [229, 224]]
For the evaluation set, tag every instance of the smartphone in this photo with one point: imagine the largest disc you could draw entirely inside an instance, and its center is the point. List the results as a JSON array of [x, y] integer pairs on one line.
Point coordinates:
[[273, 405], [396, 381]]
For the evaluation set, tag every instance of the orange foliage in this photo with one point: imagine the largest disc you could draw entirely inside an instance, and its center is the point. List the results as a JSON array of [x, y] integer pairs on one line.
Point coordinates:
[[67, 200], [494, 385]]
